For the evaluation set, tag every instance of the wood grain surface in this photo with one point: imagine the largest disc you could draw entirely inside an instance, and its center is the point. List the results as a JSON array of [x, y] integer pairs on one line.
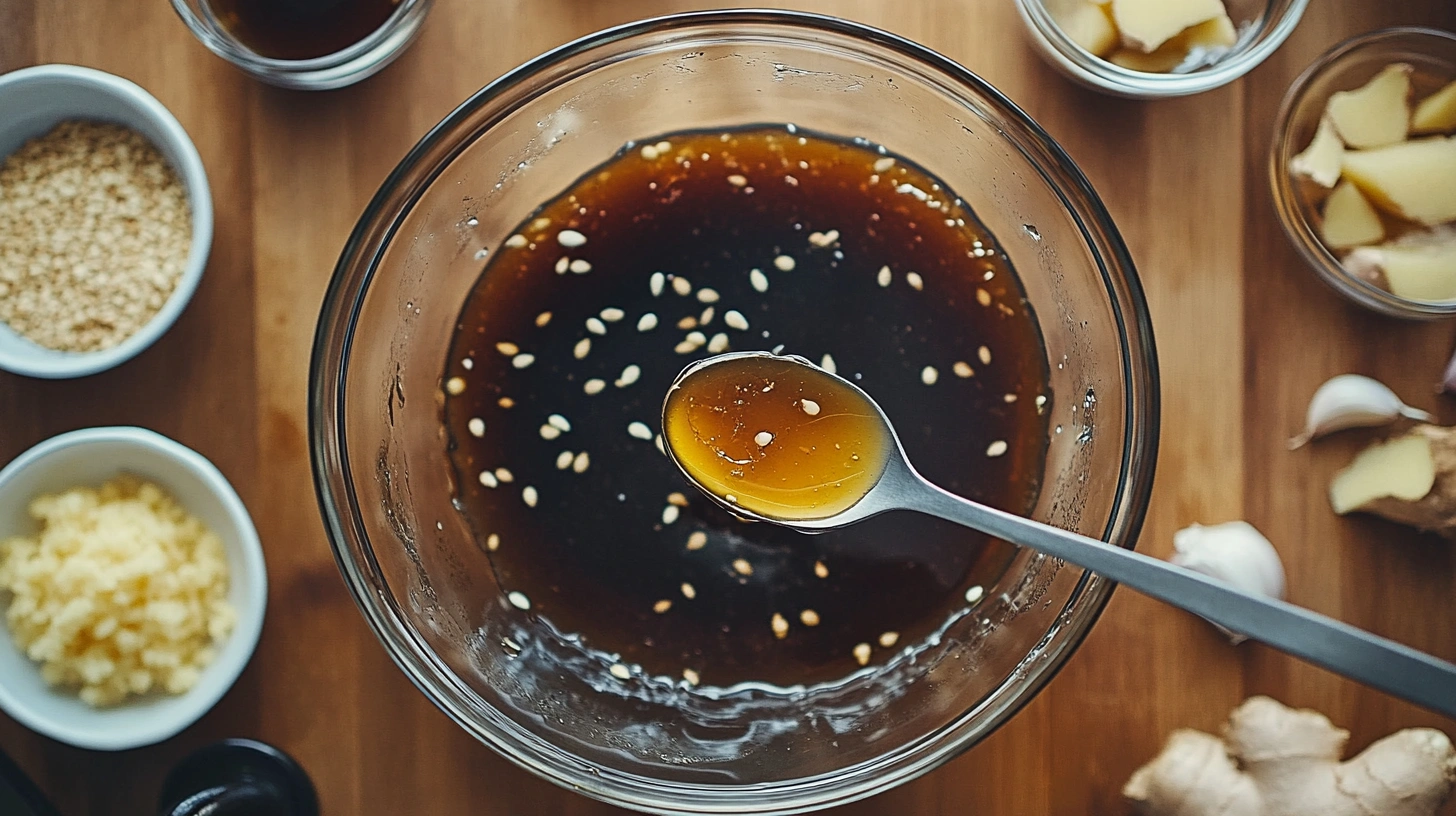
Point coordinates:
[[1244, 330]]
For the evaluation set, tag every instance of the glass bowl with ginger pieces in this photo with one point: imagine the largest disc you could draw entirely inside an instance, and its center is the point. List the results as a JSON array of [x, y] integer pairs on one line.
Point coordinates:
[[1363, 170], [1152, 49]]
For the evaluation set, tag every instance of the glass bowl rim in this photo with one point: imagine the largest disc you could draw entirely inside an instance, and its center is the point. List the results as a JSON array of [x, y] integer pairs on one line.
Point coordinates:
[[349, 541], [1298, 227], [231, 49]]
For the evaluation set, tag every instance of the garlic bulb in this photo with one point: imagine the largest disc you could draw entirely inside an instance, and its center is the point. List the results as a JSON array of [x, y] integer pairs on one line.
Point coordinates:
[[1234, 552], [1352, 401]]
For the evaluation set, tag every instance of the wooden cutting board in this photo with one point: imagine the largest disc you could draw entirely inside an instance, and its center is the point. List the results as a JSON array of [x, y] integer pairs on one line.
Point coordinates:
[[1245, 333]]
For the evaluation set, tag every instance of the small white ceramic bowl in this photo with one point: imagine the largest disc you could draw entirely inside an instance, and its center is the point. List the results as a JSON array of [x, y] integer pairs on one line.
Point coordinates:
[[34, 100], [91, 457]]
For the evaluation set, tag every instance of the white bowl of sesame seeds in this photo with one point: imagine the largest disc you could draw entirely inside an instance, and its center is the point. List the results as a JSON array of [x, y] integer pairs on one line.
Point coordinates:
[[105, 220]]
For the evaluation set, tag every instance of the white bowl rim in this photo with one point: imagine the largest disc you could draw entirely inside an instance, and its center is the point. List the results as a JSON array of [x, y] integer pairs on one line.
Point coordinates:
[[249, 625], [64, 365]]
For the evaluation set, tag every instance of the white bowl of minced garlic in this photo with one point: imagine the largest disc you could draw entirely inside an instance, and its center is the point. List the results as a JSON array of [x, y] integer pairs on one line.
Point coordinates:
[[105, 220], [132, 585]]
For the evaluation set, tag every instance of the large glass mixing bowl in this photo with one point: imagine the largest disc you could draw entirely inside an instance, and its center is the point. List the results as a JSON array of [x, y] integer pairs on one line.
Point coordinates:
[[379, 448]]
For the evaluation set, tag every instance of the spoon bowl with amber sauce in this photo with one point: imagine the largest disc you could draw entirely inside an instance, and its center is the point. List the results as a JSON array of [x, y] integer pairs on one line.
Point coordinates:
[[776, 438]]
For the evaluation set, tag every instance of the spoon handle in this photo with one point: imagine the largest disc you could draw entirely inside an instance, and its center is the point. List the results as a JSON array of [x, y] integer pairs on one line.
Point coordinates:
[[1359, 655]]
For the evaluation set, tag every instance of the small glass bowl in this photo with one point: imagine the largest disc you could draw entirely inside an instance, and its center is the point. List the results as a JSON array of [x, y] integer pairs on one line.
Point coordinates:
[[1349, 65], [359, 61], [1263, 26]]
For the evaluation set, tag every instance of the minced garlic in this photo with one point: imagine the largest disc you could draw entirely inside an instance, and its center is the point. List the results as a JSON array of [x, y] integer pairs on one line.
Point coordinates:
[[122, 592]]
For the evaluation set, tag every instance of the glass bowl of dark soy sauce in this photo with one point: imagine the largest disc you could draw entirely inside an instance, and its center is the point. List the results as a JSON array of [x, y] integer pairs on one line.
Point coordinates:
[[311, 45], [502, 326]]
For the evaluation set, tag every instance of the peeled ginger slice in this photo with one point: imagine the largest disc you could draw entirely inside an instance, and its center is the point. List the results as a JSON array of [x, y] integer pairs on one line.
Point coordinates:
[[1402, 468], [1415, 180], [1377, 113], [1437, 112], [1349, 220], [1320, 162], [1088, 24], [1147, 24]]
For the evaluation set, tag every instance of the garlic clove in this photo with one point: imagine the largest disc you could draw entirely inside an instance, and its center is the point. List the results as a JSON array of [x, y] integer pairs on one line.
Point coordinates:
[[1352, 401], [1234, 552]]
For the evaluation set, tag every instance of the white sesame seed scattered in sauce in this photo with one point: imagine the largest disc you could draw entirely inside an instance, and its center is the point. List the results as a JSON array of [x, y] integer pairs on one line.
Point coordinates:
[[670, 513], [563, 460], [685, 347], [762, 439], [682, 286], [612, 314], [963, 369], [810, 407], [697, 338], [706, 295], [884, 277], [1040, 403], [974, 594], [550, 432], [929, 375], [706, 317], [620, 672], [488, 479], [654, 283], [649, 152], [690, 676], [595, 325], [688, 591], [516, 241], [467, 364], [542, 319], [639, 430], [697, 540], [718, 344], [529, 496], [779, 625], [647, 322], [1009, 398], [809, 617], [580, 266], [523, 360], [862, 654], [983, 297], [736, 320], [504, 475], [888, 639], [784, 263], [570, 239], [996, 448], [742, 567], [559, 422], [455, 386], [630, 375], [662, 606], [916, 282], [539, 224], [827, 363], [884, 165], [758, 280], [476, 426], [823, 239], [820, 570], [737, 180], [677, 499], [519, 600], [506, 402], [593, 386], [562, 264], [688, 322], [492, 542], [985, 355], [581, 462], [582, 348]]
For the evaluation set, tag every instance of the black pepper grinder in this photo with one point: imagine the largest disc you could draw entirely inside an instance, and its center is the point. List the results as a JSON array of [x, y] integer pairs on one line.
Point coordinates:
[[238, 777]]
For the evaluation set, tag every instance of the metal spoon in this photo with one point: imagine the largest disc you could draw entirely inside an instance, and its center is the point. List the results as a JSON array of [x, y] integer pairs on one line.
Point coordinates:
[[1359, 655]]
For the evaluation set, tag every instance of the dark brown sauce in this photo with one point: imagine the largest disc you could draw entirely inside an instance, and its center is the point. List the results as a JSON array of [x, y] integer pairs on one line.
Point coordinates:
[[300, 29], [600, 553]]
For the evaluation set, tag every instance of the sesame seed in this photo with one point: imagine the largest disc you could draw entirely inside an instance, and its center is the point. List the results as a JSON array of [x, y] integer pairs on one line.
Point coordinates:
[[762, 439], [506, 402], [996, 448], [620, 672], [508, 349], [827, 363], [612, 314], [1041, 401], [742, 567], [884, 165], [539, 224], [688, 322], [736, 320], [779, 625], [862, 654], [697, 540], [916, 282], [1009, 398], [542, 319], [467, 364], [718, 344], [690, 676], [570, 238], [963, 369], [649, 152], [697, 338], [688, 591], [706, 317], [516, 241], [662, 606], [523, 360], [983, 297], [596, 326], [563, 460], [784, 263], [654, 283], [670, 513], [682, 286], [455, 386], [889, 639], [758, 280], [677, 499], [820, 570], [884, 277], [985, 355], [737, 180], [810, 407], [488, 479], [824, 239], [550, 432], [504, 475], [519, 600], [647, 322], [685, 347], [929, 375], [630, 374], [559, 422], [529, 496], [582, 348], [562, 264], [581, 462], [974, 594], [476, 425], [492, 542], [593, 386], [809, 617], [639, 430]]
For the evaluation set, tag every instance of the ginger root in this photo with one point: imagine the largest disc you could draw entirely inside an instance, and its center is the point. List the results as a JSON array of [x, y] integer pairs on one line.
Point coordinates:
[[1369, 484], [1278, 761]]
